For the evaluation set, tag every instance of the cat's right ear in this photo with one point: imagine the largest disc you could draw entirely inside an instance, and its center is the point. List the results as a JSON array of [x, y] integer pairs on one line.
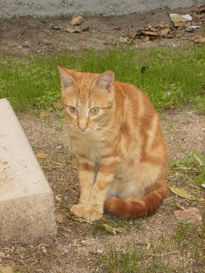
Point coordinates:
[[67, 80]]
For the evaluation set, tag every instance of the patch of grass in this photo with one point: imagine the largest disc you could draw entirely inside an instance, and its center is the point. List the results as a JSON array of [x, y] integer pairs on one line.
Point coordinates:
[[200, 104], [190, 239], [134, 259], [170, 77], [192, 168], [180, 253]]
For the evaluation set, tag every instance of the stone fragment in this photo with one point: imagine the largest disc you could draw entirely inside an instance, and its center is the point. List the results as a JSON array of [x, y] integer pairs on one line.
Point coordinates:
[[76, 29], [192, 28], [123, 40], [180, 20], [192, 215], [60, 218], [77, 20]]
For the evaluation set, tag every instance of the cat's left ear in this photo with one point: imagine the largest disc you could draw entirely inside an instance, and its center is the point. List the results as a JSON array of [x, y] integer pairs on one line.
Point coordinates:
[[66, 79], [106, 80]]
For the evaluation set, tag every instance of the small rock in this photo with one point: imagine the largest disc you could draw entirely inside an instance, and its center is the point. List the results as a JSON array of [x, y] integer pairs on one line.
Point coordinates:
[[77, 20], [196, 20], [44, 114], [60, 218], [55, 27], [164, 32], [43, 249], [71, 29], [123, 40], [191, 215], [203, 186], [41, 155], [6, 269], [192, 28], [180, 20], [76, 29], [27, 44]]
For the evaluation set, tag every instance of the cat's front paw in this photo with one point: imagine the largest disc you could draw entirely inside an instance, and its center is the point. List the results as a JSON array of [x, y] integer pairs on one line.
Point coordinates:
[[78, 210], [92, 214]]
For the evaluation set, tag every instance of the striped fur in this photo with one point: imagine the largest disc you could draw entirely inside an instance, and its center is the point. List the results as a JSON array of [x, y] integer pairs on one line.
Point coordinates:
[[116, 135]]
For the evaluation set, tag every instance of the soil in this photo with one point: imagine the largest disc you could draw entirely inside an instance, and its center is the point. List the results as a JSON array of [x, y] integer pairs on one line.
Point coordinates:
[[25, 36], [78, 244]]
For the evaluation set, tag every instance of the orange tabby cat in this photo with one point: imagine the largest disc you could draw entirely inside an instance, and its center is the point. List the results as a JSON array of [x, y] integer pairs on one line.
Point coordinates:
[[116, 135]]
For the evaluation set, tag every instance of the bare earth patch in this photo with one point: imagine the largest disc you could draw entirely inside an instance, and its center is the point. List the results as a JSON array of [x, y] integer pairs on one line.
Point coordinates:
[[79, 245], [26, 36]]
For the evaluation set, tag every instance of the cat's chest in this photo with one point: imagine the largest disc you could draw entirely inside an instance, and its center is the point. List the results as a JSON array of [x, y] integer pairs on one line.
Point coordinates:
[[86, 146]]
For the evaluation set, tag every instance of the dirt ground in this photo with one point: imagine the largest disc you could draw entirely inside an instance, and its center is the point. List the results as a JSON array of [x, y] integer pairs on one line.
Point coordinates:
[[79, 245], [24, 36]]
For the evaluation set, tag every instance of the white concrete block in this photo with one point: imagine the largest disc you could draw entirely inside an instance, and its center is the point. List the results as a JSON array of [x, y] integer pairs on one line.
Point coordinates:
[[26, 200]]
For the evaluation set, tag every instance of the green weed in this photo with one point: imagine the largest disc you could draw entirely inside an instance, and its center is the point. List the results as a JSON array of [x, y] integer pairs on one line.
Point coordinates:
[[170, 77], [192, 168]]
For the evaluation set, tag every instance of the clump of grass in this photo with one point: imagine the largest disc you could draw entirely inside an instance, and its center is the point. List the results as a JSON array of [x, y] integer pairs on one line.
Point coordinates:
[[192, 168], [136, 260], [170, 77], [190, 240]]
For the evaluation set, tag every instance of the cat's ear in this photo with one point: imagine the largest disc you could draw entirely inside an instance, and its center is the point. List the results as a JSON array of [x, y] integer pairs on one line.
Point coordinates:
[[66, 78], [106, 80]]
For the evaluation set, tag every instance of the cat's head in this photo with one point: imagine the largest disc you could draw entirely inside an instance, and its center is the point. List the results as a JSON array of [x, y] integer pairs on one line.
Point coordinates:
[[87, 98]]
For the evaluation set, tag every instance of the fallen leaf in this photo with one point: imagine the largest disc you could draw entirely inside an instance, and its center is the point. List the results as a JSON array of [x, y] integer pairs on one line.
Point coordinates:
[[41, 155], [60, 218], [77, 20], [6, 269], [196, 20], [44, 114], [200, 39], [199, 10], [151, 33], [191, 215], [199, 161], [109, 229], [180, 192]]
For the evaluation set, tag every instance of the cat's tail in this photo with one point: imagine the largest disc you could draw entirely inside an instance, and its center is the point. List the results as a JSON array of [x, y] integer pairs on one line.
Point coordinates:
[[131, 208]]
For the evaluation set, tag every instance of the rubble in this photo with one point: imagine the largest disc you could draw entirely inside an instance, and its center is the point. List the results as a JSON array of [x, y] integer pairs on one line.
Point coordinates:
[[123, 40], [180, 20], [77, 20], [76, 29], [191, 28], [192, 215]]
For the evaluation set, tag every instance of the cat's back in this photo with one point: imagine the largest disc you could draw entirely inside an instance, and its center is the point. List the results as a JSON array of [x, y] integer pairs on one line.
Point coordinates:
[[133, 99]]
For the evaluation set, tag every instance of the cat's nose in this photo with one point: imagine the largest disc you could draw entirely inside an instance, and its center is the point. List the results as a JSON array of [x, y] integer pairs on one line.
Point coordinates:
[[83, 129], [82, 125]]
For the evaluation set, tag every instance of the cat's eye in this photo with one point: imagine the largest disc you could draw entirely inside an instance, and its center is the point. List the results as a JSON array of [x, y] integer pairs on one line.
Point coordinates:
[[72, 109], [94, 110]]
